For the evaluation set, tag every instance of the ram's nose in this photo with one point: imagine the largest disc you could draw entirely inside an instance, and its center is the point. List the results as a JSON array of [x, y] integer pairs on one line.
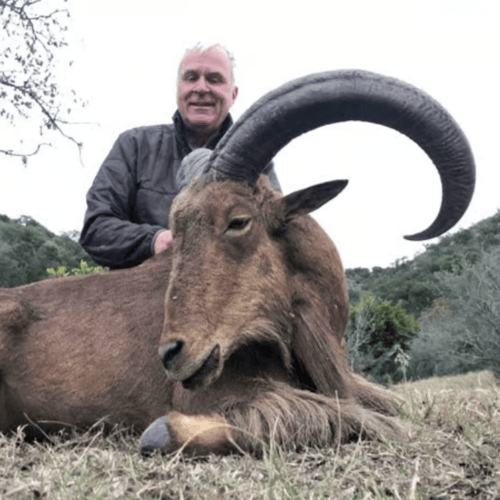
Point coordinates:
[[170, 353]]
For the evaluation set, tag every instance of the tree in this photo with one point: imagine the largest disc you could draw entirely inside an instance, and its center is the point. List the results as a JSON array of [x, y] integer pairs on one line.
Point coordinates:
[[33, 39], [28, 249], [379, 338], [462, 331]]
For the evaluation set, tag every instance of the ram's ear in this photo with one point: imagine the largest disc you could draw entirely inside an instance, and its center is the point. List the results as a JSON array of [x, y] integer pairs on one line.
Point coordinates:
[[307, 200]]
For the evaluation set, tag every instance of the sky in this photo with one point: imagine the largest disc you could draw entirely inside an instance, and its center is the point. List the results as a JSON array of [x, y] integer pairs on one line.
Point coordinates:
[[126, 56]]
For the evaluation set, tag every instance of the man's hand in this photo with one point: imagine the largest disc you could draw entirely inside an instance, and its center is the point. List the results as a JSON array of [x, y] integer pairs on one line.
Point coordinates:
[[163, 241]]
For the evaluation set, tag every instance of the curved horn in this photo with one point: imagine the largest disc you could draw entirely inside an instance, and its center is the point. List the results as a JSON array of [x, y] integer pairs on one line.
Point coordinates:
[[338, 96]]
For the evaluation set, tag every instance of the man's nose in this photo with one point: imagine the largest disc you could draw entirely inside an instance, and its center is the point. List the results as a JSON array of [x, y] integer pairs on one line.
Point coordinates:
[[202, 86]]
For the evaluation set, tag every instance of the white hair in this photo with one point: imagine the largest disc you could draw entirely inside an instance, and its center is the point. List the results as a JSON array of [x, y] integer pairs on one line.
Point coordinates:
[[203, 47]]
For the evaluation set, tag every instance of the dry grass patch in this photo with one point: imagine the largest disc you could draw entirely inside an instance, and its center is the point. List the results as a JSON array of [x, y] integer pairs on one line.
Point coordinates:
[[453, 453]]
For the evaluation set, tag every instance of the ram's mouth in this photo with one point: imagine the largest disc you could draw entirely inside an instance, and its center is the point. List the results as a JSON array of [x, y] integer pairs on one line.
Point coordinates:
[[205, 372]]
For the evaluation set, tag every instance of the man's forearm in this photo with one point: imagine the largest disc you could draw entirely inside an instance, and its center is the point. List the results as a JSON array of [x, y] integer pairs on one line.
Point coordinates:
[[115, 243]]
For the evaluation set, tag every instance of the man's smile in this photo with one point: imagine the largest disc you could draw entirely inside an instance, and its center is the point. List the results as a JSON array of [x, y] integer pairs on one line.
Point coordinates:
[[202, 104]]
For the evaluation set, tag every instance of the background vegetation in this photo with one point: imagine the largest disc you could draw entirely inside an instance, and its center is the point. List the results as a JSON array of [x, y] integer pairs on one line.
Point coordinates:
[[379, 338], [437, 314], [413, 282], [28, 250]]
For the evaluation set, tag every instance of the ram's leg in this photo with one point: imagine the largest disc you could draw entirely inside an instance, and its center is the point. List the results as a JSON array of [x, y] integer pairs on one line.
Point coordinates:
[[277, 412], [195, 434], [374, 397], [294, 418]]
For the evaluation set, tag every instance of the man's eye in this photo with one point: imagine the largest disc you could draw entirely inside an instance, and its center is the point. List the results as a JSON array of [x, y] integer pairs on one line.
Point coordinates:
[[190, 77], [213, 79]]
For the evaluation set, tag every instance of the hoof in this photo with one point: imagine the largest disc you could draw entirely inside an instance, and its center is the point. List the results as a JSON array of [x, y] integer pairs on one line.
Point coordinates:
[[156, 437]]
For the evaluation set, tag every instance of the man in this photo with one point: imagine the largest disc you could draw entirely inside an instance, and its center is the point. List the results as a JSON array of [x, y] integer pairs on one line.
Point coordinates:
[[127, 206]]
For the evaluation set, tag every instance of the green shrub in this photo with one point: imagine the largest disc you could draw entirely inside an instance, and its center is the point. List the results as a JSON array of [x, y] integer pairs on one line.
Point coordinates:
[[379, 338], [83, 268]]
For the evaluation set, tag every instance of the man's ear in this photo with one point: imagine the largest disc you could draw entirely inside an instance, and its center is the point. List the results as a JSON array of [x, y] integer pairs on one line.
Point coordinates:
[[234, 94], [307, 200]]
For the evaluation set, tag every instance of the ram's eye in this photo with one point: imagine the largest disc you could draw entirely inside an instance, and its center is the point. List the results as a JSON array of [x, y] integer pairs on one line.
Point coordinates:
[[238, 224]]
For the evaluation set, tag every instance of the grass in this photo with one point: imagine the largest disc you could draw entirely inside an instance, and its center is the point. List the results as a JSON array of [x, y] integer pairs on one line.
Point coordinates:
[[453, 453]]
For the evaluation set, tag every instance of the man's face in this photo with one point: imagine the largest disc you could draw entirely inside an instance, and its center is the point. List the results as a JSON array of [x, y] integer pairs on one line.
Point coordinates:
[[205, 89]]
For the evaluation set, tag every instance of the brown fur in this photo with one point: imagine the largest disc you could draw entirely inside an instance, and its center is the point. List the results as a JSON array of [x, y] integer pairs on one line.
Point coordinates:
[[261, 312]]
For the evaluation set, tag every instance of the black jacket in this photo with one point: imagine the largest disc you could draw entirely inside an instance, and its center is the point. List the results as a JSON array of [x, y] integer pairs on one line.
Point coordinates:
[[130, 198]]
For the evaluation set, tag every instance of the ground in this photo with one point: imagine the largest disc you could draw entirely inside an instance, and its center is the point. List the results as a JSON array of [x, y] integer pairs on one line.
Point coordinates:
[[453, 453]]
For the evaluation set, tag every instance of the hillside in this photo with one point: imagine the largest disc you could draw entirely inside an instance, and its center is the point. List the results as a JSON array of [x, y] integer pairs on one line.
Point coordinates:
[[413, 283], [28, 249]]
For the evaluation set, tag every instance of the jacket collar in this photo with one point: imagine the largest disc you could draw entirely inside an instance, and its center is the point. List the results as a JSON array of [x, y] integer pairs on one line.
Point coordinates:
[[183, 147]]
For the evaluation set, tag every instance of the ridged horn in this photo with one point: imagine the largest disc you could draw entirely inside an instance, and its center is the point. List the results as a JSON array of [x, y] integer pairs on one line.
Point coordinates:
[[338, 96]]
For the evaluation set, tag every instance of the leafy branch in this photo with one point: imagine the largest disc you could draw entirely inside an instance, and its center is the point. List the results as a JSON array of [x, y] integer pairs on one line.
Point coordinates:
[[33, 34]]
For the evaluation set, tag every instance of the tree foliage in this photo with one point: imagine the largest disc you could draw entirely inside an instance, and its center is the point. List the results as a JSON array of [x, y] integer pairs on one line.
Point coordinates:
[[28, 249], [452, 288], [462, 332], [83, 268], [33, 39], [379, 338]]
